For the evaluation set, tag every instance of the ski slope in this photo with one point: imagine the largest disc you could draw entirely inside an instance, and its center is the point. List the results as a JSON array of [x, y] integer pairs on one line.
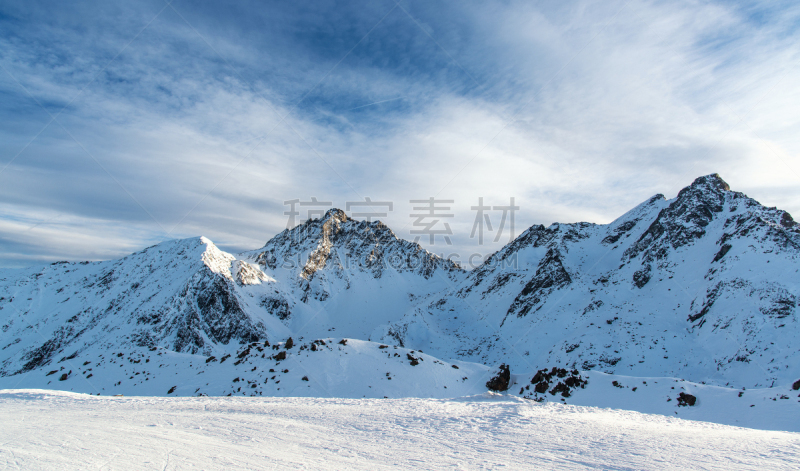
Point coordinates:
[[60, 430]]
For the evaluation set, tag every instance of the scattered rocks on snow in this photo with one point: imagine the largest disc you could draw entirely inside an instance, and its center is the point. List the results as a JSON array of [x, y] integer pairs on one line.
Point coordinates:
[[544, 378]]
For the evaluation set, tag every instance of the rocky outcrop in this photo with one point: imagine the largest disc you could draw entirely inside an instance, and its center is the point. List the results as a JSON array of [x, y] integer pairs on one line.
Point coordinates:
[[500, 382]]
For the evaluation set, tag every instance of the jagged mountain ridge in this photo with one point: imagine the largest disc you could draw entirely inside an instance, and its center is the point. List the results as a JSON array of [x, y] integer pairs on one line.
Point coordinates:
[[703, 286], [188, 296], [348, 276]]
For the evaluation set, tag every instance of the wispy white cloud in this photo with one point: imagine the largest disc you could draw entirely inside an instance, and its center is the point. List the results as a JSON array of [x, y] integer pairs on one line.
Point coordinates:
[[579, 111]]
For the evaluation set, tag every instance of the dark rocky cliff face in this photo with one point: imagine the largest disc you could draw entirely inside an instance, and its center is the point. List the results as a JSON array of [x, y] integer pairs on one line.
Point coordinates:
[[550, 275], [209, 310]]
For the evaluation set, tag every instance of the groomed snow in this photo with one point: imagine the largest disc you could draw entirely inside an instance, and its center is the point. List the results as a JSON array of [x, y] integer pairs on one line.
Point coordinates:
[[60, 430]]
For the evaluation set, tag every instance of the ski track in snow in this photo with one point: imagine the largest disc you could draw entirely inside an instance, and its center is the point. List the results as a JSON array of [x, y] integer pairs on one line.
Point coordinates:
[[60, 430]]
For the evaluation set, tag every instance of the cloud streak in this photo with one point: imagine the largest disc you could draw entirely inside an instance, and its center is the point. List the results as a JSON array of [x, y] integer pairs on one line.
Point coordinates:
[[579, 112]]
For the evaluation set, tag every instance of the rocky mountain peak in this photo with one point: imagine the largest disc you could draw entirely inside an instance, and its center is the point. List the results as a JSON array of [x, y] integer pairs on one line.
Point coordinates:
[[712, 182], [335, 214]]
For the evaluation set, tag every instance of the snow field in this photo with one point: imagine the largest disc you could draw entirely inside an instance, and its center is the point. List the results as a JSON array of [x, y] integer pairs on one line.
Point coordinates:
[[60, 430]]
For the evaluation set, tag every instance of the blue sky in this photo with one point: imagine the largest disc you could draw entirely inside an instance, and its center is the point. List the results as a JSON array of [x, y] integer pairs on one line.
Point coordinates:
[[124, 124]]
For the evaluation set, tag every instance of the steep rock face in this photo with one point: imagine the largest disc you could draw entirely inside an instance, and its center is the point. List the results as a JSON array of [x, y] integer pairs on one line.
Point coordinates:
[[683, 221], [350, 276], [703, 286], [209, 309], [550, 276], [341, 243]]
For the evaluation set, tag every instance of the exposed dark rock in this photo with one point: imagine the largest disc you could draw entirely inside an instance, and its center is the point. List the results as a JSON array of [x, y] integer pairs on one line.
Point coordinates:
[[620, 231], [684, 220], [796, 385], [722, 251], [641, 277], [501, 381], [560, 388], [277, 306], [289, 343], [550, 275], [686, 399], [572, 380], [210, 307], [42, 355]]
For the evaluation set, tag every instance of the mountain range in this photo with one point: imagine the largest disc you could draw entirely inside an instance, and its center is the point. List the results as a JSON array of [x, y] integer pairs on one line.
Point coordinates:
[[702, 287]]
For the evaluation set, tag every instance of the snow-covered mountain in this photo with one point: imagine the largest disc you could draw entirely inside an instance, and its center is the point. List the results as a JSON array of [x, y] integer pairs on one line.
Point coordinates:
[[188, 307], [347, 277], [703, 287]]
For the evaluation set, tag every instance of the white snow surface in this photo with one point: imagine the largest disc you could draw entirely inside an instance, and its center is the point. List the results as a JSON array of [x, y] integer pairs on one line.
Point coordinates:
[[60, 430]]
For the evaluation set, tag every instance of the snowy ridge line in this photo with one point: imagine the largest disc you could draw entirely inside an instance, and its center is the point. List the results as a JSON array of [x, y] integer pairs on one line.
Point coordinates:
[[703, 286]]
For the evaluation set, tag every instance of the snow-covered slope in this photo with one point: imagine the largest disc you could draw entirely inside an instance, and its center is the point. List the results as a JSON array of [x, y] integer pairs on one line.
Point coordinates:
[[56, 430], [172, 315], [320, 368], [179, 295], [704, 286]]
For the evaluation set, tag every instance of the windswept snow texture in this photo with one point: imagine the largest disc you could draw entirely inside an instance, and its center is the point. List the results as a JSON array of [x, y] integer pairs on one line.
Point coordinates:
[[56, 430]]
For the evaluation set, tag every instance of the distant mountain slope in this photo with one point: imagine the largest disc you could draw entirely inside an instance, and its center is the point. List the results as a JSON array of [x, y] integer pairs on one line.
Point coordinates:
[[704, 286]]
